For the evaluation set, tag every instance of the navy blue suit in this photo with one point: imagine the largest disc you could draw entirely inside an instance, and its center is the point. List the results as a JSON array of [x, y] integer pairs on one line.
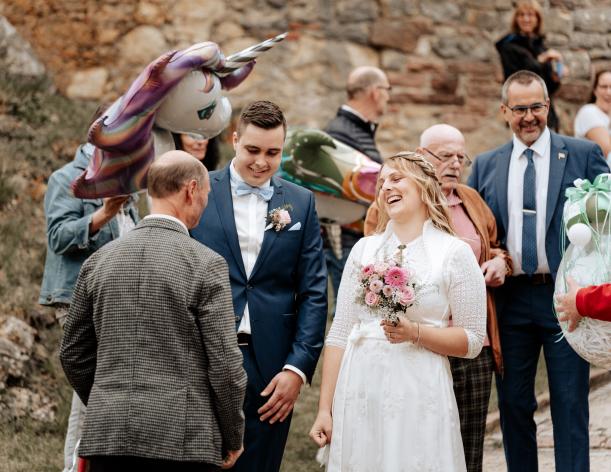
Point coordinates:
[[287, 302], [527, 321]]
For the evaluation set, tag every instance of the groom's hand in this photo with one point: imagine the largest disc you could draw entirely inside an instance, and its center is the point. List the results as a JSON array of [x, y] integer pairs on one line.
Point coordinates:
[[284, 389]]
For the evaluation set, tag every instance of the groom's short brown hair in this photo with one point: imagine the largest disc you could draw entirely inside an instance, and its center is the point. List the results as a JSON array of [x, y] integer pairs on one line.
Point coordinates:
[[262, 114]]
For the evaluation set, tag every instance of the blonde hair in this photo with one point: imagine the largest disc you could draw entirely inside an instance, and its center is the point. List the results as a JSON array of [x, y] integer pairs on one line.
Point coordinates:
[[422, 172], [526, 5]]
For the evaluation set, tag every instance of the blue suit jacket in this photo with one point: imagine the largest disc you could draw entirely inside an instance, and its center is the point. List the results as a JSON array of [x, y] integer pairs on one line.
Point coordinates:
[[570, 159], [287, 289]]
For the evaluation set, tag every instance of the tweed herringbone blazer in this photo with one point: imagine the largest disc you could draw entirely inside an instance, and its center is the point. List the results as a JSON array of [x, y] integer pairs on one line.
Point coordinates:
[[150, 347]]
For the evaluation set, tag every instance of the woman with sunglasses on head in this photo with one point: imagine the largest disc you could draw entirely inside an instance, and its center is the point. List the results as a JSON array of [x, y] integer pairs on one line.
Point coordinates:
[[524, 49], [593, 121], [386, 400], [205, 150]]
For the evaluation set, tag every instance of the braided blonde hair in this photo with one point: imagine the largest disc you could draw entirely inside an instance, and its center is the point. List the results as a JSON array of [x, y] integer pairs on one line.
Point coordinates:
[[422, 172]]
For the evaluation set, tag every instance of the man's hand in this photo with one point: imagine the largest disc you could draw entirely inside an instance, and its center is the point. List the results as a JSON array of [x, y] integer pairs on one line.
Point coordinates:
[[494, 271], [284, 389], [567, 305], [231, 458]]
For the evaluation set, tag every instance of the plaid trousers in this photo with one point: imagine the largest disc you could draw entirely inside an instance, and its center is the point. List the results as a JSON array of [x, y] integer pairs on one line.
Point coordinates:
[[472, 384]]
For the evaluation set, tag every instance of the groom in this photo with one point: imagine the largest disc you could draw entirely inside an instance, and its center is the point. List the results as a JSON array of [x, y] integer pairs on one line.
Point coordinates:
[[278, 278]]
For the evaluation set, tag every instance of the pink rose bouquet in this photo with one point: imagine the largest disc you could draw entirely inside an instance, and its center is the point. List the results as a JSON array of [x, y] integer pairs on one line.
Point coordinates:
[[388, 287]]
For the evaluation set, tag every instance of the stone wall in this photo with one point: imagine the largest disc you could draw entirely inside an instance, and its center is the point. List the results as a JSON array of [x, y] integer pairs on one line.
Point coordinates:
[[439, 55]]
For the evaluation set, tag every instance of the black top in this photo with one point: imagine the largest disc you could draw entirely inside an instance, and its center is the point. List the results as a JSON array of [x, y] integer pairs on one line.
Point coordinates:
[[355, 132]]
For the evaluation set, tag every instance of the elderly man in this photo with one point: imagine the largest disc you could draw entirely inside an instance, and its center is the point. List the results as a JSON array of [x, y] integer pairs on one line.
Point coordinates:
[[149, 344], [444, 147], [355, 124], [524, 183]]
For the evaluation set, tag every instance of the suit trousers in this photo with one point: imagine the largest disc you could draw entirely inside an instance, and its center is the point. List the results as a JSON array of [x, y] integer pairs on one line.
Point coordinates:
[[472, 379], [263, 442], [132, 464], [527, 323]]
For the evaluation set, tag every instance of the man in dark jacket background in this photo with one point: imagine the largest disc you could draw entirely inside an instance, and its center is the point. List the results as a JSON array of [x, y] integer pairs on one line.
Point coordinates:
[[357, 120], [355, 125]]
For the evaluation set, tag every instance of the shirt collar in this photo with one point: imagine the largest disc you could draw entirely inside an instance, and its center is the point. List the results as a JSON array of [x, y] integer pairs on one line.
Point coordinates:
[[540, 146], [167, 217], [235, 178], [349, 109], [453, 198]]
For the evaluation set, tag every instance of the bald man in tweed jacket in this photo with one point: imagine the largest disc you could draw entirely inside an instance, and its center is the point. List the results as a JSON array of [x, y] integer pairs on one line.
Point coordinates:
[[150, 344]]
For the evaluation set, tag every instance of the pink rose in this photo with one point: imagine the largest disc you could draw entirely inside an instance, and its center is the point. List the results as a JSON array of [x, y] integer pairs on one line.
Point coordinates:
[[387, 291], [283, 217], [372, 298], [374, 277], [376, 286], [381, 267], [407, 296], [367, 271], [396, 277]]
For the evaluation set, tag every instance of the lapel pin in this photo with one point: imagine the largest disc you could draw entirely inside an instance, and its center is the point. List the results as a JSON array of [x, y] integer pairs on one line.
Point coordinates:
[[561, 155]]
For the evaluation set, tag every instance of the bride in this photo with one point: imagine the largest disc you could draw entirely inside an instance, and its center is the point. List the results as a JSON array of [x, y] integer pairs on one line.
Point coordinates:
[[386, 400]]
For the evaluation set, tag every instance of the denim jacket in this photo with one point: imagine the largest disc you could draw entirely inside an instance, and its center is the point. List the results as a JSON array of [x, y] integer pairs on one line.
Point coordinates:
[[68, 238]]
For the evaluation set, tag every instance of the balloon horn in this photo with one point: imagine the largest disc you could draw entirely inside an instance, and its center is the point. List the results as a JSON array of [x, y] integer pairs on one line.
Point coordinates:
[[239, 59]]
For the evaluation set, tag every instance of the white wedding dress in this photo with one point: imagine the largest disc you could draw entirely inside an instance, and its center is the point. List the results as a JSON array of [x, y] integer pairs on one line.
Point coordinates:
[[394, 408]]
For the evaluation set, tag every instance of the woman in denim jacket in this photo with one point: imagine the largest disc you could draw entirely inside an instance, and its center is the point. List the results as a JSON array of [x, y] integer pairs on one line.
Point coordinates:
[[76, 229]]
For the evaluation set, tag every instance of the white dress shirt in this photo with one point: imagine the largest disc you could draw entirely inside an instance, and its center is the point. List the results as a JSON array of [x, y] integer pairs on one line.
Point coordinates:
[[167, 217], [125, 221], [515, 199], [250, 213]]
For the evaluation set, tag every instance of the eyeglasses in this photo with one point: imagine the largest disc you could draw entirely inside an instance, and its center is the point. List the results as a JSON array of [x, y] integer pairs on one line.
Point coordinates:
[[522, 110], [463, 159], [197, 137], [388, 88]]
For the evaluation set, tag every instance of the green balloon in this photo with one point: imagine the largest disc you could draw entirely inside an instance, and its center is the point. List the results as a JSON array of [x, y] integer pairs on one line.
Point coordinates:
[[598, 211]]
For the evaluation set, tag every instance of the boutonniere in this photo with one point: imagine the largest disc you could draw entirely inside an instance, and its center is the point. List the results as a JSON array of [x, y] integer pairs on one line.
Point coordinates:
[[278, 218]]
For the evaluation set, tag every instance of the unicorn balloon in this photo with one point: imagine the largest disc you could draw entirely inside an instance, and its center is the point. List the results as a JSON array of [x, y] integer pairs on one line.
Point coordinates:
[[178, 92]]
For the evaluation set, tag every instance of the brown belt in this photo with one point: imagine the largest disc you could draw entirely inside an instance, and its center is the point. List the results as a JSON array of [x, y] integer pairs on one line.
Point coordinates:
[[243, 339], [534, 279]]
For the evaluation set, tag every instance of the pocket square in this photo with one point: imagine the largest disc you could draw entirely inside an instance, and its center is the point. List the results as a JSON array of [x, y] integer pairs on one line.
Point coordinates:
[[295, 227]]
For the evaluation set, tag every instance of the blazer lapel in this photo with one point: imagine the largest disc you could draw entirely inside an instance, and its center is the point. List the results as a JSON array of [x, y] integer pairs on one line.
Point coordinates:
[[270, 236], [221, 187], [502, 174], [557, 161]]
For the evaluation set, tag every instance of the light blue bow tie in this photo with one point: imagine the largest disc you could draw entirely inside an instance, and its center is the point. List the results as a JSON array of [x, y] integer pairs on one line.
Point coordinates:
[[262, 192]]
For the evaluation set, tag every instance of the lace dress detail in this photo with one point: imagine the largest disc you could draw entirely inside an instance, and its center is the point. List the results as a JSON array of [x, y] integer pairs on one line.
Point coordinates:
[[394, 407]]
